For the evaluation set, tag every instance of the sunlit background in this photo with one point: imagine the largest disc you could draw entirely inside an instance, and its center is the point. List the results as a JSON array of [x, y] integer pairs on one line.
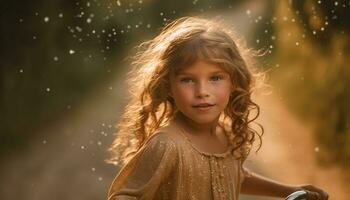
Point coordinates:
[[63, 67]]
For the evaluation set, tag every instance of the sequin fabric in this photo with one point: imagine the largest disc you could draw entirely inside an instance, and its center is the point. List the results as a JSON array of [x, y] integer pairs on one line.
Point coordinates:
[[169, 167]]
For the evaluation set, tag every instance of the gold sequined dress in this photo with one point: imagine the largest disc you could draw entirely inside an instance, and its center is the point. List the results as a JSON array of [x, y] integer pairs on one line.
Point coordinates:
[[170, 167]]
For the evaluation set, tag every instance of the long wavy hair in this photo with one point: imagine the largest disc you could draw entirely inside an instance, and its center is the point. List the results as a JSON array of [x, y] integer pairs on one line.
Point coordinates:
[[180, 44]]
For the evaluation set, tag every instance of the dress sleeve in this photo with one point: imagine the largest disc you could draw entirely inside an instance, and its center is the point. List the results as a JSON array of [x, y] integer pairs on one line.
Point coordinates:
[[143, 175]]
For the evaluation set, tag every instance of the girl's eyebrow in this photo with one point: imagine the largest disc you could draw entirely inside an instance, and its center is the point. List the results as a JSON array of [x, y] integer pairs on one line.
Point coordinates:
[[189, 73]]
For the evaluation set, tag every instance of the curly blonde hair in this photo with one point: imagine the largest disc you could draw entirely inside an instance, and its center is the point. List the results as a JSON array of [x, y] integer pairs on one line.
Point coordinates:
[[180, 44]]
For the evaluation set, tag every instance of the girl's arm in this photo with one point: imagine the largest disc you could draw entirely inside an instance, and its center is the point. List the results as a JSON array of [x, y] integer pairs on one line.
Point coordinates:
[[145, 173], [255, 184]]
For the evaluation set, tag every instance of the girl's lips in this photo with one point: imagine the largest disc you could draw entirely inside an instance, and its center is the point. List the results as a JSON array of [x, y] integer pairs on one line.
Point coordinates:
[[203, 107]]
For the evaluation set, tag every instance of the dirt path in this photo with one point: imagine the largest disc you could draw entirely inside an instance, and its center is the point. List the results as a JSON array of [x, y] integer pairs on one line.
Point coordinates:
[[67, 160]]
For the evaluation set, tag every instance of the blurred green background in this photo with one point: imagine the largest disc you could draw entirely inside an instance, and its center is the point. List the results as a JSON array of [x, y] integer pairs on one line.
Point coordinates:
[[63, 65]]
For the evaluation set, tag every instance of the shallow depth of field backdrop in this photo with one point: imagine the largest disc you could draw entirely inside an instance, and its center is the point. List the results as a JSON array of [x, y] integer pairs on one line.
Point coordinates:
[[63, 66]]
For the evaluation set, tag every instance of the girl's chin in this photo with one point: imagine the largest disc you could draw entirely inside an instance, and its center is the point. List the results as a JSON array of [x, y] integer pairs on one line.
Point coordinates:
[[202, 119], [199, 118]]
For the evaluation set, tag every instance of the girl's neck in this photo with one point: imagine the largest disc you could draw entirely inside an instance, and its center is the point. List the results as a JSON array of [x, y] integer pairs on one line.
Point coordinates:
[[193, 128]]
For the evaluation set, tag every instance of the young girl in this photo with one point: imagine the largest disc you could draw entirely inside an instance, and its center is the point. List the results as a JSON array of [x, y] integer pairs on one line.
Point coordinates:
[[186, 132]]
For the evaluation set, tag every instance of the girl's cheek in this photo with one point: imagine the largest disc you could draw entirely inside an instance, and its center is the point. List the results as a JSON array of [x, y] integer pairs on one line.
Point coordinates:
[[223, 93], [183, 94]]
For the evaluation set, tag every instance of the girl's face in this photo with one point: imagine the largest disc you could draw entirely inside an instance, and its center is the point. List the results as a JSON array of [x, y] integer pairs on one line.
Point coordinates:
[[201, 91]]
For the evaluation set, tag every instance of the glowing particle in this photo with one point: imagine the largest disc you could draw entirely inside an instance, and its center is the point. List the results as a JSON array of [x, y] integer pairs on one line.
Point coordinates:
[[71, 51], [55, 58], [48, 89], [46, 19], [78, 28]]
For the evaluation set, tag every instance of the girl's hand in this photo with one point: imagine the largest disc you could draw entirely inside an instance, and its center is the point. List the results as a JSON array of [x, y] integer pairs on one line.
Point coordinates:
[[315, 193]]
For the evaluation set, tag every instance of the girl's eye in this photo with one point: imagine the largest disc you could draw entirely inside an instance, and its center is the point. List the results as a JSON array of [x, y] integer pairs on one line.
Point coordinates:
[[186, 80], [216, 78]]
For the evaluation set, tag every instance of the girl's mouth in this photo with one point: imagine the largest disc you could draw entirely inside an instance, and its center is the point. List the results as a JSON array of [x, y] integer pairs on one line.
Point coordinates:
[[203, 107]]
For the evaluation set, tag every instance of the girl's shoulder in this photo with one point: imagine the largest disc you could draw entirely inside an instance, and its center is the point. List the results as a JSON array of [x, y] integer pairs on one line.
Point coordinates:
[[166, 134], [161, 143]]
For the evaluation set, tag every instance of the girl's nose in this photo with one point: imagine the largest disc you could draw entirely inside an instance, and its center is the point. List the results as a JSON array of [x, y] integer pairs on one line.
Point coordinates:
[[202, 90]]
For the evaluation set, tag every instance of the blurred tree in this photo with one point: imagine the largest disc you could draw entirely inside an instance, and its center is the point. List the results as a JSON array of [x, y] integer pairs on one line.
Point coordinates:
[[314, 43]]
